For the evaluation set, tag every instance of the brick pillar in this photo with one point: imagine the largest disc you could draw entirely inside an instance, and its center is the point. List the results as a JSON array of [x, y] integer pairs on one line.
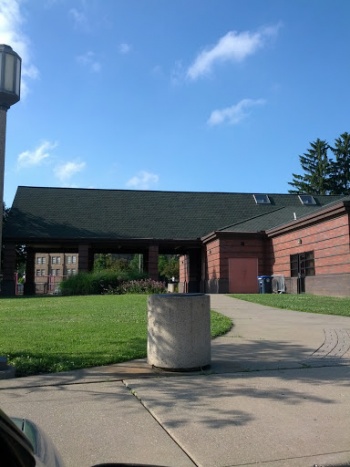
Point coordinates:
[[194, 279], [86, 258], [29, 285], [183, 273], [8, 285], [152, 262]]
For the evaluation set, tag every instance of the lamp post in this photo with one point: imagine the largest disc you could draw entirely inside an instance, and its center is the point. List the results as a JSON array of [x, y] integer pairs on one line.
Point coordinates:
[[10, 84]]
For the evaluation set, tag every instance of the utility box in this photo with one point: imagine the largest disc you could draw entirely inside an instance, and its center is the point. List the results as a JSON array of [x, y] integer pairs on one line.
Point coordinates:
[[265, 284]]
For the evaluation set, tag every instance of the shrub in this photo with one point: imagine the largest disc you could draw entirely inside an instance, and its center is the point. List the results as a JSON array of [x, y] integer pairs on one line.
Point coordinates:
[[78, 284], [96, 283], [142, 286]]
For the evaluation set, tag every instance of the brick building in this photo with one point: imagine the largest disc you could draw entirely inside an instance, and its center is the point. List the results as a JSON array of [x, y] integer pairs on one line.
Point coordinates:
[[224, 240], [52, 268]]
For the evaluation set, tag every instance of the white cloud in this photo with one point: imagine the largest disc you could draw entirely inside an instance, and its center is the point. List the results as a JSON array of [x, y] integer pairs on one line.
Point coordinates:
[[89, 61], [177, 73], [233, 115], [143, 180], [233, 47], [11, 21], [37, 156], [79, 18], [124, 48], [65, 171]]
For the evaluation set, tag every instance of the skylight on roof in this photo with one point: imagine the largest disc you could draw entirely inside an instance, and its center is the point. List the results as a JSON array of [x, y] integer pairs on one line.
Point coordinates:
[[307, 199], [261, 199]]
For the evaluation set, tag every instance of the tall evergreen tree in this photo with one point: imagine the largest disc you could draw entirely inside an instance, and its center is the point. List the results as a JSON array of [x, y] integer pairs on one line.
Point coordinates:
[[340, 167], [316, 166]]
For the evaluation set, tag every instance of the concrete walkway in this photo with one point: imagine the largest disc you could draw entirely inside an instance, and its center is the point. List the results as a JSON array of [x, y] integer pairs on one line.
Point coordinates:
[[277, 394]]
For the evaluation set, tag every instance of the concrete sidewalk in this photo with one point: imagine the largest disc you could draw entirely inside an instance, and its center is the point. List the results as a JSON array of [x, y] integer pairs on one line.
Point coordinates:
[[277, 394]]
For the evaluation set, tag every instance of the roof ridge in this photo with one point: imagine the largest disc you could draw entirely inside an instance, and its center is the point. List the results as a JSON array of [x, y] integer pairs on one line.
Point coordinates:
[[249, 193]]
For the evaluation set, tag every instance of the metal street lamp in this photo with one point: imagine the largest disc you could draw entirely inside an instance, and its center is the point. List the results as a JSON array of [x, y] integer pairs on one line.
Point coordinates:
[[10, 84]]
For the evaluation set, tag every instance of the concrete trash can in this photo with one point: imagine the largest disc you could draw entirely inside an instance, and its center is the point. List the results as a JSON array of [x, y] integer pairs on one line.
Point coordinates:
[[179, 337]]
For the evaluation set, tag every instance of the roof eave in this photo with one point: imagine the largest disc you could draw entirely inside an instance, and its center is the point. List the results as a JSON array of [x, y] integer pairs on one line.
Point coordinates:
[[219, 234], [328, 212]]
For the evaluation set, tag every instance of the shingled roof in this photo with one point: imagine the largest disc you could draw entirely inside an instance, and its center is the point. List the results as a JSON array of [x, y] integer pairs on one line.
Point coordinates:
[[71, 213]]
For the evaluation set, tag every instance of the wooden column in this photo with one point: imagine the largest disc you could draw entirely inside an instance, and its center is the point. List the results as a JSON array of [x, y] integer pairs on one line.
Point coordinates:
[[152, 262], [194, 280], [29, 285], [86, 258], [8, 284]]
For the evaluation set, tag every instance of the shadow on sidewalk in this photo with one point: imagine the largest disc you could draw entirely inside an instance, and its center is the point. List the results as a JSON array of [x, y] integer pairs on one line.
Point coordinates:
[[259, 355]]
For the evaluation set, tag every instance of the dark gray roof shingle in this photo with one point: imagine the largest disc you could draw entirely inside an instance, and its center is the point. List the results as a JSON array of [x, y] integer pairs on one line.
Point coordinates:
[[63, 213]]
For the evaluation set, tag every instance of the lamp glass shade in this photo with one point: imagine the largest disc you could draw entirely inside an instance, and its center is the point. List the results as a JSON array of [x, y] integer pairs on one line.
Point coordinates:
[[10, 76]]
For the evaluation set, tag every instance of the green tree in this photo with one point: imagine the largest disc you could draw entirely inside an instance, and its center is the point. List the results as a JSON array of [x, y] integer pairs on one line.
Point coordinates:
[[316, 166], [21, 253], [117, 263], [168, 266], [340, 167], [102, 262], [136, 263]]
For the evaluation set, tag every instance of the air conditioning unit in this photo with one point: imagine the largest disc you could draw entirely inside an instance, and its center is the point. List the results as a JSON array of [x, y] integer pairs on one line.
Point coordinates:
[[278, 284]]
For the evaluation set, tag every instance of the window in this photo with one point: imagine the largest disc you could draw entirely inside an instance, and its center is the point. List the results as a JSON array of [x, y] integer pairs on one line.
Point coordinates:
[[74, 259], [302, 264], [307, 199], [40, 260], [261, 199], [40, 272], [55, 272], [294, 265], [69, 259], [55, 260], [37, 273]]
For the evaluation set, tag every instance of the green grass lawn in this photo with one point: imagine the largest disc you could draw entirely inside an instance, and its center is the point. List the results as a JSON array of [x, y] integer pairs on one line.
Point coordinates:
[[303, 302], [51, 334]]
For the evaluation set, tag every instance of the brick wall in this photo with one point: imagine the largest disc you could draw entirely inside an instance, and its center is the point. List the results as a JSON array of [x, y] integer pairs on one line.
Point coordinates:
[[329, 240], [220, 250], [245, 247], [51, 268]]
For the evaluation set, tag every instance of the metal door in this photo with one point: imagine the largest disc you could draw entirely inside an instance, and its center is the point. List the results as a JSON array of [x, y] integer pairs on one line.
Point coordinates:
[[243, 273]]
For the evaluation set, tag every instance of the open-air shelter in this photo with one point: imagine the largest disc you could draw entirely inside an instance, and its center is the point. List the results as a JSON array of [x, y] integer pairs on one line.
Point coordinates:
[[224, 240]]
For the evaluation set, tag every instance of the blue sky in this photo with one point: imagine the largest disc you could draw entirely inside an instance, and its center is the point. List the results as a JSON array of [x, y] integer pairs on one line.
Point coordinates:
[[184, 95]]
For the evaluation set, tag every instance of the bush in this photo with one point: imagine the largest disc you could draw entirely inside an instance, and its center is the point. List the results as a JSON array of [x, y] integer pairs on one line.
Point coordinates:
[[78, 284], [96, 283], [143, 286]]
